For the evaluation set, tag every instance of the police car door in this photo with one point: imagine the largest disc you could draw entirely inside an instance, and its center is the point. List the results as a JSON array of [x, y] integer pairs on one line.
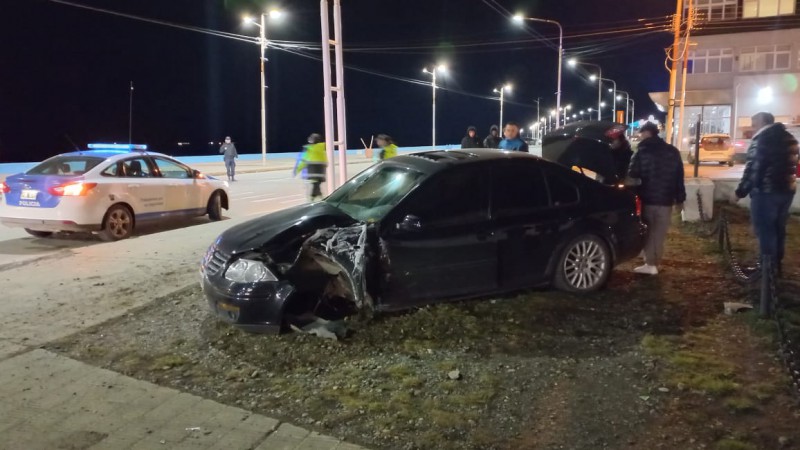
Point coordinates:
[[181, 195], [143, 190]]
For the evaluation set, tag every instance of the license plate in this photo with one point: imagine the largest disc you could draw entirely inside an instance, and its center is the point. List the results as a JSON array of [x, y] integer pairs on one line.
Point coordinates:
[[28, 194]]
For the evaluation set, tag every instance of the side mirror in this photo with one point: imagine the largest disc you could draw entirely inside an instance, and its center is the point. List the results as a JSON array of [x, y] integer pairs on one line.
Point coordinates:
[[410, 223], [197, 174]]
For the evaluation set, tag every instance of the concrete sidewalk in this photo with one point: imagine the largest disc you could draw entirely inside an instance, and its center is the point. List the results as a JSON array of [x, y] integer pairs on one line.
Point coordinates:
[[252, 166], [51, 402]]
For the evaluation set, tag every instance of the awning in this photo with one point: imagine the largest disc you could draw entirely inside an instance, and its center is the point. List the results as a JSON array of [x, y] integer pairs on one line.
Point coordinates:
[[696, 98]]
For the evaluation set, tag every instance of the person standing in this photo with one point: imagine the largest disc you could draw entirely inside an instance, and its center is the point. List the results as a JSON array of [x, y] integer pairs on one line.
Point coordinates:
[[228, 150], [657, 169], [493, 139], [770, 180], [471, 140], [388, 148], [312, 163], [621, 153], [512, 139]]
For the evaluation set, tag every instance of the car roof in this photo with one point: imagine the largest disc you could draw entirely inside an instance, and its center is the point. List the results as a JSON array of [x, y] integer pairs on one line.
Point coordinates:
[[112, 154], [435, 160]]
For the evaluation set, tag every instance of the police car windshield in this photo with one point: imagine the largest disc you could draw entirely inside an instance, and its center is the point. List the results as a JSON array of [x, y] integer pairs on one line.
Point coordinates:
[[372, 194], [66, 165]]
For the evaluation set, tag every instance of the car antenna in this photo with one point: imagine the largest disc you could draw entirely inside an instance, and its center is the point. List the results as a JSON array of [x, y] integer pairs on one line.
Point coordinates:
[[72, 142]]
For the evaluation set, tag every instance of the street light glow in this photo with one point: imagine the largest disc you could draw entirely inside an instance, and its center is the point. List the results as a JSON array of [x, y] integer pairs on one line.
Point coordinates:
[[602, 104], [593, 77], [276, 14], [572, 62], [518, 18], [248, 20]]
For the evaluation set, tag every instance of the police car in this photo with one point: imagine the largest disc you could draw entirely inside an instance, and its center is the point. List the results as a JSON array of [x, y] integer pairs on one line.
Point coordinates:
[[108, 189]]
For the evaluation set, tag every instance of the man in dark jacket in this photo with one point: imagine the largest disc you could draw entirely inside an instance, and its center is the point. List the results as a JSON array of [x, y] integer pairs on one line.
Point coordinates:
[[657, 169], [471, 140], [493, 139], [770, 179], [512, 140]]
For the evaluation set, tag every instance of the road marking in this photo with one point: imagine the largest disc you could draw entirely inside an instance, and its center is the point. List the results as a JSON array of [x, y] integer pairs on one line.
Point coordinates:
[[265, 199], [249, 196]]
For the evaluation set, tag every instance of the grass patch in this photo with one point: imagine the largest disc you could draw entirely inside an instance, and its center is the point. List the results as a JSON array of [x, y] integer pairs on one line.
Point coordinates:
[[734, 444], [740, 405], [168, 361]]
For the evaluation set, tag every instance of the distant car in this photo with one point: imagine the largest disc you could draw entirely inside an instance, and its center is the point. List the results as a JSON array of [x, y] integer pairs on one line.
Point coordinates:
[[714, 148], [423, 228], [109, 189]]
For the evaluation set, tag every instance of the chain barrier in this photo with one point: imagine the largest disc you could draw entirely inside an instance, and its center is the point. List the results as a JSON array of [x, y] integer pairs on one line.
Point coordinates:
[[788, 349]]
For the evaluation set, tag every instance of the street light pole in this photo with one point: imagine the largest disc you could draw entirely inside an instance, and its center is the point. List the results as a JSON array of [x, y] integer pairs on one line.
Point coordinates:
[[519, 18], [432, 73], [130, 116], [500, 90], [262, 38], [598, 77], [614, 99], [627, 100]]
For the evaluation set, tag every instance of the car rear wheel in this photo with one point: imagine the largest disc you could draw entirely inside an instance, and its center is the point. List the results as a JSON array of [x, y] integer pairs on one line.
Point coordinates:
[[584, 265], [118, 224], [215, 206], [39, 234]]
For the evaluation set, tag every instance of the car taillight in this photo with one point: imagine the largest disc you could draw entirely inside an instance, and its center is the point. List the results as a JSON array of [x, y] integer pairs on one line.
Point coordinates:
[[4, 188], [638, 206], [71, 189]]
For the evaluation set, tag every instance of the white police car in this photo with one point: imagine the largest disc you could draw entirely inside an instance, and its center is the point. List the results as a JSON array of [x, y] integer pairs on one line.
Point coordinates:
[[107, 189]]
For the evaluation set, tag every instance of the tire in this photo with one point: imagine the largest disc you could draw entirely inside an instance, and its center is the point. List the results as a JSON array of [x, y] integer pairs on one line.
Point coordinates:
[[39, 234], [117, 224], [584, 265], [214, 208]]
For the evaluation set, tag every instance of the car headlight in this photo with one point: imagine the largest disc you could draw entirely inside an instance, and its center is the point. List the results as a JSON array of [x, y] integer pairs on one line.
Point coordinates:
[[249, 271]]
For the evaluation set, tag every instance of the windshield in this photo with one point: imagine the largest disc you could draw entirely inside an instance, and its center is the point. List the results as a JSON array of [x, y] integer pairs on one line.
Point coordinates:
[[372, 194], [66, 165]]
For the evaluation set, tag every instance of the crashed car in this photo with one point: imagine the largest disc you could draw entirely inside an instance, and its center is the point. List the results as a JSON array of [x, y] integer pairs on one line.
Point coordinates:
[[419, 229]]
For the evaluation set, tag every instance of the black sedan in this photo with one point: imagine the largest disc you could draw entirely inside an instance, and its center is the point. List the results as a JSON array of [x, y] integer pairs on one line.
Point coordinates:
[[423, 228]]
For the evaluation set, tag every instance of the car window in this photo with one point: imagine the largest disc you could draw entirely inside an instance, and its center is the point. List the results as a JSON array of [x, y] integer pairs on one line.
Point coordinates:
[[65, 165], [562, 190], [715, 143], [455, 196], [171, 169], [518, 188], [373, 193], [135, 168], [114, 170]]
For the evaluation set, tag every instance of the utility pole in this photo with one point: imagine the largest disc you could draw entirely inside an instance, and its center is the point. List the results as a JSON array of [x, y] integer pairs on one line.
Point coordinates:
[[673, 73], [690, 18]]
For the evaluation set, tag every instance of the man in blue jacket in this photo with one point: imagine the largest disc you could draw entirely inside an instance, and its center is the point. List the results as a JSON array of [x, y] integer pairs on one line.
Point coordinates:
[[657, 169], [770, 179], [512, 140]]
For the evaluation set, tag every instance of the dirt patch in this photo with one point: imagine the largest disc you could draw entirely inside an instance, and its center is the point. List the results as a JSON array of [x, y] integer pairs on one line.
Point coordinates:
[[647, 363]]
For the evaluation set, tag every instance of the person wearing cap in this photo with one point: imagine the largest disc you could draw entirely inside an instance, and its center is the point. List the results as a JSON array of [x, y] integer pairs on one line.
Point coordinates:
[[657, 170], [228, 150], [388, 148], [493, 139], [312, 164], [512, 140], [471, 140]]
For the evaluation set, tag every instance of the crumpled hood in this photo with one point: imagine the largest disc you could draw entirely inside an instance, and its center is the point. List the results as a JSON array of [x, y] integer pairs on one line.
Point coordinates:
[[279, 228]]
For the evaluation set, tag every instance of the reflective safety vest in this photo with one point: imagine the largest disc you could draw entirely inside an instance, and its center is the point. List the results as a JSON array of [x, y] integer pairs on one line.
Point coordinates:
[[390, 151], [312, 161]]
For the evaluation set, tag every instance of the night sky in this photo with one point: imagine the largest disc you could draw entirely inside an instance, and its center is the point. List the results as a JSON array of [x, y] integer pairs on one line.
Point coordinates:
[[66, 71]]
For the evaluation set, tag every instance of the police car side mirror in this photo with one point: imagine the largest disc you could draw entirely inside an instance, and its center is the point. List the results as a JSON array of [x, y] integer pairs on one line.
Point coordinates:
[[196, 174]]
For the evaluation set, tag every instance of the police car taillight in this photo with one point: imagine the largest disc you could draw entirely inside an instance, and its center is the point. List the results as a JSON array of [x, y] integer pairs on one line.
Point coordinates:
[[4, 188], [71, 189]]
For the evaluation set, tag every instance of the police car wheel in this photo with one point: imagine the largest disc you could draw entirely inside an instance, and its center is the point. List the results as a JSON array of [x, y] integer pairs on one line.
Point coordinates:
[[39, 234], [118, 224], [215, 206]]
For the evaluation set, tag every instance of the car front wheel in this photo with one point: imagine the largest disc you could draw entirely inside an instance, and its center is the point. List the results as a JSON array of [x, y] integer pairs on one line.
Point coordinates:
[[584, 265], [214, 208], [118, 224], [39, 234]]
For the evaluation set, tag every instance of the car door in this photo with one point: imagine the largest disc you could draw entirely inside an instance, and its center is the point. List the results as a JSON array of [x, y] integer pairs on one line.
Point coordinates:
[[439, 242], [182, 195], [526, 223], [145, 192]]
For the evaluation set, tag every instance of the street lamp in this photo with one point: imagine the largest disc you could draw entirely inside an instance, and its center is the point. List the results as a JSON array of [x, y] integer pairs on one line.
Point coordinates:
[[628, 100], [500, 91], [566, 108], [520, 19], [589, 110], [613, 91], [553, 116], [574, 62], [440, 68], [262, 41]]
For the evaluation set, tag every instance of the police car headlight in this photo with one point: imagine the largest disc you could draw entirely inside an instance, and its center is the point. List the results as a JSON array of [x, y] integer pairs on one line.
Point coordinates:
[[249, 271]]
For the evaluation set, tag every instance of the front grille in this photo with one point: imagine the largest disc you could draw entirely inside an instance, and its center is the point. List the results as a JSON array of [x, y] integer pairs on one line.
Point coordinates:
[[215, 260]]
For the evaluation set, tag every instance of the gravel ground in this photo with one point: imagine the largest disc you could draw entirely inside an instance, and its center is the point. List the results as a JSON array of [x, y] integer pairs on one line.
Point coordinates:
[[539, 370]]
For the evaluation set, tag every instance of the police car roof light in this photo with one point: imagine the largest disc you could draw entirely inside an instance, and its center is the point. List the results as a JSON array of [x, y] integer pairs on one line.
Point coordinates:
[[118, 146]]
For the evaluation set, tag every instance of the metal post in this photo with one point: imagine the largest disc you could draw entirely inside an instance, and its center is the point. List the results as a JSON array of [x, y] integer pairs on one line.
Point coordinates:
[[340, 104], [599, 93], [735, 111], [130, 116], [433, 73], [560, 58], [697, 145], [328, 95], [263, 42], [501, 105], [673, 73]]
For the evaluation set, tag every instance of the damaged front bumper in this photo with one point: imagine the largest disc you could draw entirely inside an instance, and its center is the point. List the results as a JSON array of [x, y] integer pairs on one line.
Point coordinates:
[[255, 310]]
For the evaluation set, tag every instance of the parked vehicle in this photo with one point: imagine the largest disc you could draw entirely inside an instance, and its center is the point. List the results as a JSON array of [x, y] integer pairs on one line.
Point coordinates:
[[419, 229], [109, 189], [715, 147]]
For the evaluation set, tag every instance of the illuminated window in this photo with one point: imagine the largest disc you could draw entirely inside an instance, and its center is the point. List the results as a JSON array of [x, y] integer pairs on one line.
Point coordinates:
[[712, 10], [765, 57], [767, 8], [711, 61]]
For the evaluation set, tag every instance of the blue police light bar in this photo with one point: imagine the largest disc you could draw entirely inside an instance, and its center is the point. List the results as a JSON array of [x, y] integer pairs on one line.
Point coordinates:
[[118, 146]]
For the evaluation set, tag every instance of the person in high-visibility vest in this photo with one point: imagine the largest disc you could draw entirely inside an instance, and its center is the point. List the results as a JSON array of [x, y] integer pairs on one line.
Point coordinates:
[[388, 149], [312, 163]]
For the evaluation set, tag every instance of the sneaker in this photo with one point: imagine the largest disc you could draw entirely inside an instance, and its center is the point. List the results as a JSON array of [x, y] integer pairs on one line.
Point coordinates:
[[646, 270]]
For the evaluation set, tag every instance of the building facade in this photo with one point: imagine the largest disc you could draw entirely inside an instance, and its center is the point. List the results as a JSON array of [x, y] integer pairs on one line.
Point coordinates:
[[743, 57]]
